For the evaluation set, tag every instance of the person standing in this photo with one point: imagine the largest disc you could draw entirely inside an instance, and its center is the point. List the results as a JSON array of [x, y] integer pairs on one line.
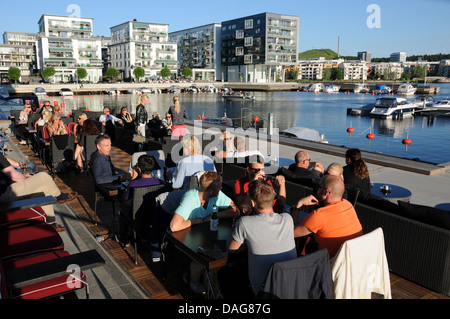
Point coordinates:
[[178, 113], [141, 118]]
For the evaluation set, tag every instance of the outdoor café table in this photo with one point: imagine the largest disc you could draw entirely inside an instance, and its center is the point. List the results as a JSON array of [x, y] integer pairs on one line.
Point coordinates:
[[191, 241], [393, 194]]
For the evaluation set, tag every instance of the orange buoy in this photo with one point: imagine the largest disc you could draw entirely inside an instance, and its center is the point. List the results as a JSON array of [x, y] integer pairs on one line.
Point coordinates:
[[407, 141], [63, 105], [255, 119], [55, 103], [351, 130], [371, 136]]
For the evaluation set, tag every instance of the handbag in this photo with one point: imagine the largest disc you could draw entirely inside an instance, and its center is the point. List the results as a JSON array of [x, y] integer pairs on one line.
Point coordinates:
[[138, 138]]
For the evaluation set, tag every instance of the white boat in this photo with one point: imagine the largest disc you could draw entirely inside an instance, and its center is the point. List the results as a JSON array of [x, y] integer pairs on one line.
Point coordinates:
[[363, 110], [392, 107], [210, 89], [443, 104], [332, 88], [3, 92], [361, 88], [133, 91], [154, 90], [406, 89], [303, 133], [65, 92], [193, 89], [39, 91], [113, 92], [225, 89], [425, 101], [238, 97], [144, 91], [174, 89], [316, 88]]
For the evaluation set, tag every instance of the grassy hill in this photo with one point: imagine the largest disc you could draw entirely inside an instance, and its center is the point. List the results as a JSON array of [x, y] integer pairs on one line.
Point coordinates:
[[317, 53]]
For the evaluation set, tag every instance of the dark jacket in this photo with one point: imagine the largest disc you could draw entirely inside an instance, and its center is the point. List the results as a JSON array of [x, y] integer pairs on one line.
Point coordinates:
[[300, 175], [141, 115]]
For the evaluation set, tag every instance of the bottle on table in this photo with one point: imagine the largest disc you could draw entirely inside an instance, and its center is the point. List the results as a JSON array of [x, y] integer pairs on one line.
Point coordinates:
[[214, 222]]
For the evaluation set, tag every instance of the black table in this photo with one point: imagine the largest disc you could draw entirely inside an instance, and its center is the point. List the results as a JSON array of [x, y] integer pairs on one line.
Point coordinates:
[[393, 194]]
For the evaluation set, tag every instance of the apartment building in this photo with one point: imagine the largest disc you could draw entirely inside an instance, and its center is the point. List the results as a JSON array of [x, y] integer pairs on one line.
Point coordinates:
[[354, 70], [398, 57], [444, 68], [312, 69], [18, 50], [67, 43], [392, 67], [142, 44], [257, 48], [199, 48]]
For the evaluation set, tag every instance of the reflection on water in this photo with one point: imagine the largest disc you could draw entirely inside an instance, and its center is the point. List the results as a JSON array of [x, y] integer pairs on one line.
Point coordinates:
[[323, 112]]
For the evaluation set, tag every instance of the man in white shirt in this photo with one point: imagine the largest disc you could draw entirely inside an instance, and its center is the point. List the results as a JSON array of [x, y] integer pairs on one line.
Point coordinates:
[[106, 116]]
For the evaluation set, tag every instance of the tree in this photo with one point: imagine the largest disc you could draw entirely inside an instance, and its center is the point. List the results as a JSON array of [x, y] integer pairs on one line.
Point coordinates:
[[112, 73], [81, 73], [48, 72], [14, 73], [139, 73], [337, 74], [187, 72], [165, 72], [419, 72], [326, 74]]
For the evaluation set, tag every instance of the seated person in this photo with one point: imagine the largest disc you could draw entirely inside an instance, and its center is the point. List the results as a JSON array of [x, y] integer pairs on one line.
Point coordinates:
[[102, 168], [21, 185], [334, 222], [269, 236], [141, 177], [241, 149], [167, 124], [127, 119], [106, 117], [194, 163], [56, 126], [300, 172], [255, 171], [88, 128], [196, 208], [356, 173]]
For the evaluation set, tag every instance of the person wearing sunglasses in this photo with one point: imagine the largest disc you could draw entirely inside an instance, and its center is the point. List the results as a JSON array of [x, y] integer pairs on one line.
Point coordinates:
[[255, 171]]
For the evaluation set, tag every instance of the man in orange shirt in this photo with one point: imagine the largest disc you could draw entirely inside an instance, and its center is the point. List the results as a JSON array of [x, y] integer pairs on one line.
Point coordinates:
[[334, 222]]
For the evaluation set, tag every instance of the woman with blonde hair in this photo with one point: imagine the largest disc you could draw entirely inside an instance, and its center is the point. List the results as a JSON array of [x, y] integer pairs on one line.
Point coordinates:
[[178, 113], [56, 126], [193, 163], [336, 169], [23, 119]]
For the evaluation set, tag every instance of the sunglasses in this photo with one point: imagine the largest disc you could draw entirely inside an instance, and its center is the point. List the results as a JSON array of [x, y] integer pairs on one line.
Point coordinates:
[[257, 170]]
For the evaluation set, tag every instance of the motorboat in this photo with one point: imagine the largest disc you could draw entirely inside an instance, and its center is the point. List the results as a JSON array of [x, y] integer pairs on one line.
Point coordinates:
[[303, 133], [144, 90], [133, 91], [382, 89], [39, 91], [406, 89], [332, 88], [317, 87], [174, 89], [154, 90], [436, 108], [424, 101], [210, 89], [112, 92], [225, 89], [306, 88], [193, 89], [393, 107], [237, 96], [3, 92], [65, 92], [361, 88], [363, 110], [443, 104]]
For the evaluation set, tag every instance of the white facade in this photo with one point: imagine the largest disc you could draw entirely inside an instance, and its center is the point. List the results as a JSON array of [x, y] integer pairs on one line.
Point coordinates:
[[354, 70], [312, 69], [18, 50], [142, 44], [200, 49], [67, 43], [383, 67]]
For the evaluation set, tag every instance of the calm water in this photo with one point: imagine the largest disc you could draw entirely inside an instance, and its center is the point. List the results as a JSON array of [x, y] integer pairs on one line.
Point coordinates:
[[323, 112]]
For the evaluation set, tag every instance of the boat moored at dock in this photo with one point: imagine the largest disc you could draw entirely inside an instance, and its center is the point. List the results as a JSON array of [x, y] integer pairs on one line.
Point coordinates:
[[393, 107]]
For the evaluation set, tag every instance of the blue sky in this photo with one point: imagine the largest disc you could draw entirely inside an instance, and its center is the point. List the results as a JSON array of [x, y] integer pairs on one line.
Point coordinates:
[[413, 26]]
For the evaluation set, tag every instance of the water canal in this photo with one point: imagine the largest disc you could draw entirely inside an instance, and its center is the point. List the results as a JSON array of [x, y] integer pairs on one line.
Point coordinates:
[[324, 112]]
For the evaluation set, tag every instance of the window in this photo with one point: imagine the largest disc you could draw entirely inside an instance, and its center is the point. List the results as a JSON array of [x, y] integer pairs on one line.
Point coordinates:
[[248, 41], [248, 58], [239, 34], [239, 51], [249, 24]]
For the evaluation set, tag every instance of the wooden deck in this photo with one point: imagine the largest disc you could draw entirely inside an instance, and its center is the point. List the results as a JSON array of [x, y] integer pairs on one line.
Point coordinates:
[[149, 276]]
